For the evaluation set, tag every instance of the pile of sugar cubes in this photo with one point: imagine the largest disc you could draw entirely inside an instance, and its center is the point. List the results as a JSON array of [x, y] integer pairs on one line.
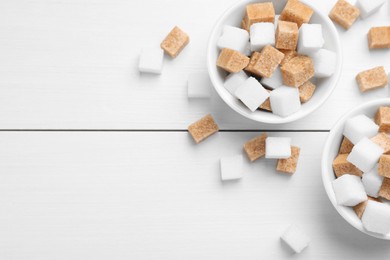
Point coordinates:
[[362, 170], [273, 59]]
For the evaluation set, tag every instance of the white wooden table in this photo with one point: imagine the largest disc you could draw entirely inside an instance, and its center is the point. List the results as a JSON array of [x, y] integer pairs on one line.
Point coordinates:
[[95, 162]]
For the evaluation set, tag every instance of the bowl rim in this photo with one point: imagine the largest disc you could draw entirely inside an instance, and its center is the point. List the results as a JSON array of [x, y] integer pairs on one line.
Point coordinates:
[[325, 163], [274, 120]]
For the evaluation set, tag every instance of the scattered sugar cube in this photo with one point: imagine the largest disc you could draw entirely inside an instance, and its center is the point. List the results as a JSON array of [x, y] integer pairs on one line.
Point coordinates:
[[232, 61], [252, 94], [324, 63], [310, 39], [341, 166], [258, 13], [278, 148], [295, 238], [297, 71], [344, 14], [349, 190], [289, 165], [384, 192], [358, 127], [384, 166], [372, 79], [175, 42], [368, 7], [203, 128], [151, 60], [274, 81], [285, 101], [231, 168], [382, 118], [199, 85], [365, 154], [379, 37], [383, 140], [286, 35], [361, 207], [255, 148], [306, 91], [235, 80], [346, 146], [296, 12], [262, 34], [376, 217], [288, 55], [264, 64], [372, 182], [233, 38]]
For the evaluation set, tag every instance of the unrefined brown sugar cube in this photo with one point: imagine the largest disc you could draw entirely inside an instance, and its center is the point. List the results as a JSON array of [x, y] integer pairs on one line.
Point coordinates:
[[297, 71], [255, 148], [372, 79], [203, 128], [384, 191], [382, 118], [346, 146], [289, 165], [379, 37], [232, 61], [264, 64], [266, 104], [383, 140], [257, 13], [341, 166], [384, 166], [361, 207], [286, 35], [288, 55], [306, 91], [175, 42], [344, 14], [296, 12], [252, 62]]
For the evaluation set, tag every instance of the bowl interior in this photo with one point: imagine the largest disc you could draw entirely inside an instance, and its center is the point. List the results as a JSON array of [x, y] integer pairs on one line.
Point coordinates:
[[233, 17], [330, 152]]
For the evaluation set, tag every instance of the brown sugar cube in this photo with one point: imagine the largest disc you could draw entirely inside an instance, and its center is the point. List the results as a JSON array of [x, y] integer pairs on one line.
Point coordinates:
[[384, 166], [346, 146], [266, 104], [383, 140], [382, 118], [341, 166], [297, 71], [361, 207], [255, 148], [372, 79], [344, 14], [265, 63], [258, 13], [306, 91], [289, 165], [384, 191], [175, 42], [288, 55], [296, 12], [286, 35], [203, 128], [379, 37], [232, 61], [252, 62]]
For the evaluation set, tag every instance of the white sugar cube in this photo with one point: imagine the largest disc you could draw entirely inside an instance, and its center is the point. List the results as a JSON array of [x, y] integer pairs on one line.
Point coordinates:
[[262, 34], [324, 63], [231, 167], [310, 38], [365, 154], [252, 94], [278, 148], [295, 238], [275, 81], [368, 7], [248, 51], [199, 85], [349, 190], [285, 101], [233, 38], [276, 22], [372, 182], [151, 60], [234, 80], [358, 127], [376, 217]]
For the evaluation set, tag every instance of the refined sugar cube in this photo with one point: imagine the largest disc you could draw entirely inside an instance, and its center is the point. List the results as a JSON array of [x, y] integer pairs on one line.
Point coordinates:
[[372, 182], [274, 81], [278, 148], [346, 146], [297, 71], [175, 42], [306, 91], [199, 85], [341, 166], [361, 207], [383, 140], [310, 39], [232, 61], [235, 80], [384, 191], [365, 155], [349, 190], [384, 166], [289, 165], [248, 51], [231, 168], [382, 118], [258, 13], [255, 148], [295, 238], [203, 128], [233, 38], [151, 60], [376, 217], [262, 34], [344, 14], [372, 79], [296, 12], [358, 127], [324, 63], [285, 101], [379, 37], [368, 7], [264, 64], [286, 35], [252, 94]]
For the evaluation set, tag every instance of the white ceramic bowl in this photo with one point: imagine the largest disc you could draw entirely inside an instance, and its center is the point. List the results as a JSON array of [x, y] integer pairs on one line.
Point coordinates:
[[233, 16], [330, 152]]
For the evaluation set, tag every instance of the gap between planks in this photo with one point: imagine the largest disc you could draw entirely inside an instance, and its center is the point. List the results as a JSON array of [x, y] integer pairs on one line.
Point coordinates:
[[159, 130]]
